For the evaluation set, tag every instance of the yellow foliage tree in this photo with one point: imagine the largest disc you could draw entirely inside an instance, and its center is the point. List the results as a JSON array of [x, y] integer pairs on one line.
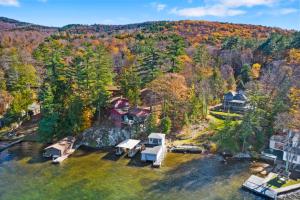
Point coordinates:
[[255, 70]]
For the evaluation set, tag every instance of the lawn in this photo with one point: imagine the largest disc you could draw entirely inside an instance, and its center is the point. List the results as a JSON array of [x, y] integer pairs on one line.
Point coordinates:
[[276, 183], [226, 114]]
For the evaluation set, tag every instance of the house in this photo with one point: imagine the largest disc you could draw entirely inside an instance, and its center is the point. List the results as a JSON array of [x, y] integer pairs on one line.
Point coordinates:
[[61, 149], [119, 108], [120, 103], [117, 116], [235, 101], [286, 146], [34, 109], [155, 149], [130, 146], [138, 114]]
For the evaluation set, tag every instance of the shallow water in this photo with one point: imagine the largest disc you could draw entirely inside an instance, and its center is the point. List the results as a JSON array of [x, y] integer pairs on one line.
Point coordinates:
[[87, 174]]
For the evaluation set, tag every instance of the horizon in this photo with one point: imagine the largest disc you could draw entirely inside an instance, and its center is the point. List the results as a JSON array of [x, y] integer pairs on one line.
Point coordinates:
[[196, 20], [271, 13]]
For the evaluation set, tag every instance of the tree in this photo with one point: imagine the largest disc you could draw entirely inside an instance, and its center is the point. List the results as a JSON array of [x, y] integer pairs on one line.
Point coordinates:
[[174, 50], [130, 84], [150, 61], [166, 125], [255, 70], [152, 123]]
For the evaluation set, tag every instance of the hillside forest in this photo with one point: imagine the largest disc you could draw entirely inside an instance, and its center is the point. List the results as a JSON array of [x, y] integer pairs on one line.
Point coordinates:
[[189, 65]]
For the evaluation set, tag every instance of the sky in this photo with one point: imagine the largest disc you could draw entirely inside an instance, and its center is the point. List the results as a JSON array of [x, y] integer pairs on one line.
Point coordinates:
[[279, 13]]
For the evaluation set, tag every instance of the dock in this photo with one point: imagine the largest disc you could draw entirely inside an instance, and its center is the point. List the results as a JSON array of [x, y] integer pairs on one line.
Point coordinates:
[[260, 186], [186, 149], [9, 144]]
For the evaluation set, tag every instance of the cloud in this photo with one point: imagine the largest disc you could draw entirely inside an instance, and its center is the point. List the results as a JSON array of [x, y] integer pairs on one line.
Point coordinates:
[[221, 8], [10, 3], [247, 3], [158, 6], [286, 11], [217, 11]]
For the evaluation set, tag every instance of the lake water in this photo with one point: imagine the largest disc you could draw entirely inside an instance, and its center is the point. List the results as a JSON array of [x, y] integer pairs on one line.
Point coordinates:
[[87, 174]]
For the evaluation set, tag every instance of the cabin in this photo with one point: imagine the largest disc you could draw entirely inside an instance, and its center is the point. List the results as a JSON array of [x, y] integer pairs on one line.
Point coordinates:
[[118, 111], [235, 101], [129, 146], [155, 149], [62, 148], [34, 109]]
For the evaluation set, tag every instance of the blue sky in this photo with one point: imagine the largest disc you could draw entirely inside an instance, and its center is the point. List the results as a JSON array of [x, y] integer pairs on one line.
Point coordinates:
[[280, 13]]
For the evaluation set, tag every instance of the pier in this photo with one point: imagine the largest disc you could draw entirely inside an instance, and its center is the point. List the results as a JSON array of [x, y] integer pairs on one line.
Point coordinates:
[[262, 187]]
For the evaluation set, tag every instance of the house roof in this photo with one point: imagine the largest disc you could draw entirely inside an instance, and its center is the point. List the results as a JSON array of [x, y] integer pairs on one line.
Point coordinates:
[[118, 111], [157, 135], [63, 144], [140, 112], [128, 144], [152, 150], [120, 102]]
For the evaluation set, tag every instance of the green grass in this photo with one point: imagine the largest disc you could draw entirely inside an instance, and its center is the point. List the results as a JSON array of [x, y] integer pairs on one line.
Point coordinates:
[[276, 183], [225, 114]]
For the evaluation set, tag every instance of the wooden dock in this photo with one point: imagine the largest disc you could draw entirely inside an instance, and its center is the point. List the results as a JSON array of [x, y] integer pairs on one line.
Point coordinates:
[[2, 148], [259, 186]]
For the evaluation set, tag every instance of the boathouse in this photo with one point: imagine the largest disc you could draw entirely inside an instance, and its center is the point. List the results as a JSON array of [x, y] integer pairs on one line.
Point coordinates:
[[155, 149], [129, 146], [60, 148]]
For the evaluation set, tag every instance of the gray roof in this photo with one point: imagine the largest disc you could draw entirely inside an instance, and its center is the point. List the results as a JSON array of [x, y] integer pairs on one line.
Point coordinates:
[[157, 135], [152, 150]]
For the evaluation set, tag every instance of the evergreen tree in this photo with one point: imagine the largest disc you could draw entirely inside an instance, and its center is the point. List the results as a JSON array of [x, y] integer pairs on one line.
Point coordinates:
[[174, 50], [166, 125]]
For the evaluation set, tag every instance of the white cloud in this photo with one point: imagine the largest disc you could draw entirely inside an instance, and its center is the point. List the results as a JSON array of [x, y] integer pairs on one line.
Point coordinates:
[[217, 11], [158, 6], [10, 3], [286, 11], [247, 3]]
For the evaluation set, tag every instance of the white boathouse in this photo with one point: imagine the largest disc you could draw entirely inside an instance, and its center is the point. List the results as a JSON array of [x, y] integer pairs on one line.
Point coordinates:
[[129, 146], [155, 149]]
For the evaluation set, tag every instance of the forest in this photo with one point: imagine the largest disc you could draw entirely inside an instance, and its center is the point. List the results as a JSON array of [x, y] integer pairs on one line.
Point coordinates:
[[189, 65]]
